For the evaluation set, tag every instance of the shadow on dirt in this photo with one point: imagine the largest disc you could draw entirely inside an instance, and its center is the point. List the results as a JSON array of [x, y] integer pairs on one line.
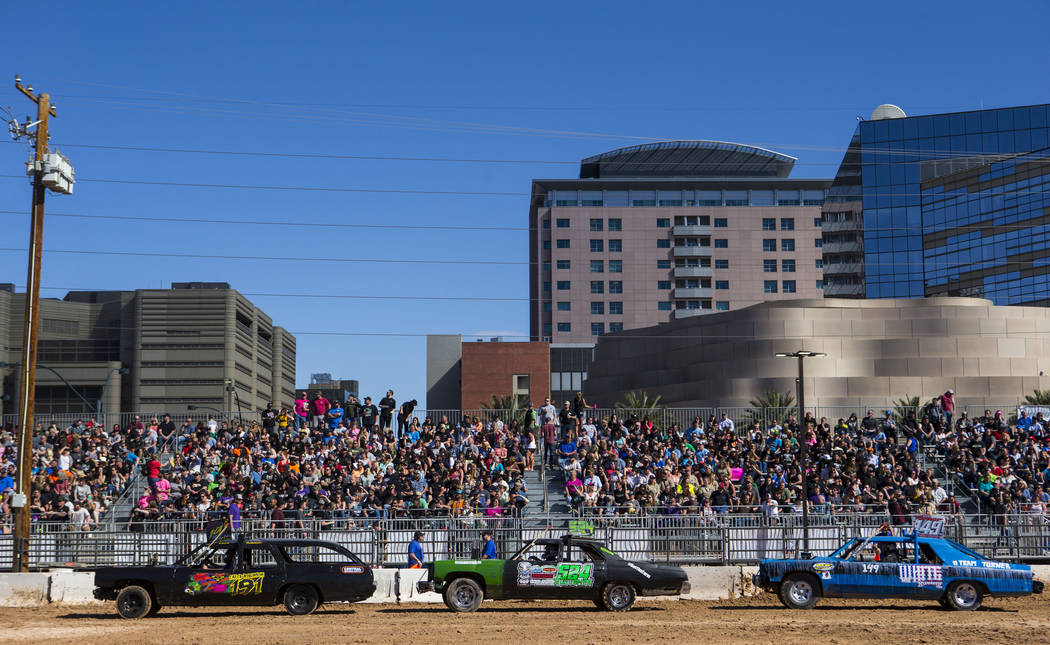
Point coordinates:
[[522, 609], [819, 608], [173, 613]]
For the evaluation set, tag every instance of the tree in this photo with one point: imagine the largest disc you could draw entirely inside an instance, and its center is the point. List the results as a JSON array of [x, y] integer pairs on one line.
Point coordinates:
[[1038, 397], [904, 405], [770, 405], [639, 400], [506, 405]]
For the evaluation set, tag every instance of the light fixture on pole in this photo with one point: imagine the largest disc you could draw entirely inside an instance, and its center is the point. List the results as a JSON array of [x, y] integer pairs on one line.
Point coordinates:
[[803, 447]]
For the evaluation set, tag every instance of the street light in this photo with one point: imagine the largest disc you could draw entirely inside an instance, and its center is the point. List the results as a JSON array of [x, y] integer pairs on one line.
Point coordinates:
[[803, 449], [119, 370]]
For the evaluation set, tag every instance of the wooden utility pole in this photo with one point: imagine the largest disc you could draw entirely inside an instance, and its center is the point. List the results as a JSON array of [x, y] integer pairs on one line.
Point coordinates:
[[27, 376]]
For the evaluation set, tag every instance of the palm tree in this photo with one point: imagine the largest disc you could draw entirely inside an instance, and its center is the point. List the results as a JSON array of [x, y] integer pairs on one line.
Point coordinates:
[[507, 405], [638, 400], [906, 404], [770, 405], [1038, 397]]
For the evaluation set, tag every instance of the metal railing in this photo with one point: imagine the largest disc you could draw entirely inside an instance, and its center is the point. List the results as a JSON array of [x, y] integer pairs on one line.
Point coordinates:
[[678, 539]]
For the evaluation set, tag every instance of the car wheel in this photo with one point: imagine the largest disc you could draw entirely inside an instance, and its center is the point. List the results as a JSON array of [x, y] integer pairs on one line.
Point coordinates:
[[133, 602], [618, 596], [300, 600], [463, 595], [799, 592], [963, 596], [153, 610]]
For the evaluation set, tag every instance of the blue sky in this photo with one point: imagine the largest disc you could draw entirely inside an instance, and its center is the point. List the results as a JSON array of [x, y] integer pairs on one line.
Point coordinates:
[[537, 85]]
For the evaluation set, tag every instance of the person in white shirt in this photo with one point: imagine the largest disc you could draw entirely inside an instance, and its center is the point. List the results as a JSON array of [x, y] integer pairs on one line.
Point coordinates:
[[726, 424], [939, 494], [548, 414]]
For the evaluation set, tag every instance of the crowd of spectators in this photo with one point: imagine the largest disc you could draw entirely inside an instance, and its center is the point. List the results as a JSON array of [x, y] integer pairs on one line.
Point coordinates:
[[344, 463]]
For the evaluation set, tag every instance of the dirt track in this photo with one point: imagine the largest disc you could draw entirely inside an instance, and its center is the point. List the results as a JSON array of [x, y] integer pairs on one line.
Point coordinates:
[[757, 620]]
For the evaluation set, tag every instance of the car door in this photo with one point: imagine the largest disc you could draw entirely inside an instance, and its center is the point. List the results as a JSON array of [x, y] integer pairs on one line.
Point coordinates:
[[575, 575], [206, 580], [260, 575], [532, 574], [864, 573]]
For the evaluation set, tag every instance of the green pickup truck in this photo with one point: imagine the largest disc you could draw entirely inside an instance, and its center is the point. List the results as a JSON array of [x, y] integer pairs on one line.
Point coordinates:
[[566, 568]]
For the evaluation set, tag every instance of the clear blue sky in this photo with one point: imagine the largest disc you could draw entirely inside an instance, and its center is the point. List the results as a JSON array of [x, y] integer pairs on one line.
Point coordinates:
[[546, 82]]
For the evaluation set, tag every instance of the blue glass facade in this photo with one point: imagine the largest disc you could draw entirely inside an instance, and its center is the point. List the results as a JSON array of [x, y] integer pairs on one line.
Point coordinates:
[[901, 213]]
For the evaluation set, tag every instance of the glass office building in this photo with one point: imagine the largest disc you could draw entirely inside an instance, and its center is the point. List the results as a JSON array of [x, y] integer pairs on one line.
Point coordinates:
[[948, 204]]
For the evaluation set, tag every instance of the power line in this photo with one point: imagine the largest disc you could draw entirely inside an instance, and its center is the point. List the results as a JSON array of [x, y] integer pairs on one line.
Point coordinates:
[[273, 258]]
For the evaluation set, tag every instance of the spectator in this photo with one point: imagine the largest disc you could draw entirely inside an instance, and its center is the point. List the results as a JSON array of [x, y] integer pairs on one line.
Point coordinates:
[[319, 407], [387, 405], [415, 551], [302, 408]]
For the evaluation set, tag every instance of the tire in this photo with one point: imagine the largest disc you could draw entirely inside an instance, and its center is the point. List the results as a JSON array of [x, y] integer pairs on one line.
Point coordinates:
[[799, 591], [963, 595], [154, 610], [463, 595], [617, 596], [134, 602], [300, 600]]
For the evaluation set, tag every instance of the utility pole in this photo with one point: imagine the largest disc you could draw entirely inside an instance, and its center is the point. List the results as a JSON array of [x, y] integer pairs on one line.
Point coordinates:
[[43, 164]]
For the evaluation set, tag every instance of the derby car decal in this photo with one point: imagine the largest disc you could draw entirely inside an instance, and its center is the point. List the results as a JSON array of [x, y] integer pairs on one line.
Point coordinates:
[[234, 584], [536, 575], [923, 575], [353, 569], [574, 575], [823, 566]]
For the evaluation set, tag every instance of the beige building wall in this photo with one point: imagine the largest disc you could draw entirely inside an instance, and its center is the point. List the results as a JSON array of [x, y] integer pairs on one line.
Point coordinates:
[[877, 351]]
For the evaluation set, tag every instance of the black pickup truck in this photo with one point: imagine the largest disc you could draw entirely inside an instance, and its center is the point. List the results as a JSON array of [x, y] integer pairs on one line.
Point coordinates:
[[241, 572]]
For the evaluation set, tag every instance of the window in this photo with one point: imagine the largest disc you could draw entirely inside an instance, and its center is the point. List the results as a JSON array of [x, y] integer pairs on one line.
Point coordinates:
[[564, 326], [597, 286], [722, 305], [616, 308], [789, 286], [769, 224], [769, 286], [721, 284], [547, 223], [787, 266], [546, 245], [721, 264], [597, 329], [662, 264], [615, 266], [769, 245], [663, 244], [663, 222], [820, 284], [663, 284], [564, 306], [615, 286], [520, 388], [597, 246], [563, 222], [564, 264], [816, 222], [564, 285], [819, 263], [597, 308], [663, 306], [769, 266], [547, 329], [787, 223], [563, 244], [818, 243], [546, 286], [615, 224], [615, 246], [547, 307], [615, 326], [721, 244], [787, 244], [721, 222], [597, 266], [596, 225], [546, 266]]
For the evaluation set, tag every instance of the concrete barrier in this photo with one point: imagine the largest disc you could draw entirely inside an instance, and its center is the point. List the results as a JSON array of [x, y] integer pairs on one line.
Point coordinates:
[[73, 588], [386, 586], [24, 589], [1042, 572], [407, 589]]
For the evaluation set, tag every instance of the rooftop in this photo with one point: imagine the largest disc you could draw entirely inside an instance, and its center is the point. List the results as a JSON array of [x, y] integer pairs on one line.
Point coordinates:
[[687, 159]]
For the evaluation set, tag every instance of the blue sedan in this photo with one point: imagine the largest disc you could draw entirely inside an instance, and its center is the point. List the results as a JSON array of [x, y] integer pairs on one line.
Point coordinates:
[[888, 566]]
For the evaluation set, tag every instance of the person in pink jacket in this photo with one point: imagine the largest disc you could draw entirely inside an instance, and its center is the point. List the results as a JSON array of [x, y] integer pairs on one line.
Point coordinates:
[[302, 410]]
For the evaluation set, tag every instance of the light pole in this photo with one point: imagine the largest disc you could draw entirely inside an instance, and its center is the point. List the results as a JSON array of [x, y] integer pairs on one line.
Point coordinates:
[[803, 448]]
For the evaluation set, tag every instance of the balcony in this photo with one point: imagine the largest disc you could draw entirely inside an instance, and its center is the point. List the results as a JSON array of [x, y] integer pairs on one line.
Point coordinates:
[[831, 248], [834, 227], [691, 230], [852, 290], [844, 268], [698, 292], [692, 251], [689, 313], [692, 272]]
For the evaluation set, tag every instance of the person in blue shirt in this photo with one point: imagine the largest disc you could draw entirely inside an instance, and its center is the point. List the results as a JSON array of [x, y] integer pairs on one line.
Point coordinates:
[[335, 416], [7, 481], [415, 551], [489, 550]]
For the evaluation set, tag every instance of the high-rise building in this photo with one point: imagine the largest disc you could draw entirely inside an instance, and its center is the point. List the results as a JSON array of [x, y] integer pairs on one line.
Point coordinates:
[[198, 343], [657, 232], [945, 204]]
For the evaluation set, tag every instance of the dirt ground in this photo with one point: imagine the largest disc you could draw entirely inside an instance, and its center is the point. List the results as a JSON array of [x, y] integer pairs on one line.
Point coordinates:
[[756, 620]]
